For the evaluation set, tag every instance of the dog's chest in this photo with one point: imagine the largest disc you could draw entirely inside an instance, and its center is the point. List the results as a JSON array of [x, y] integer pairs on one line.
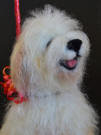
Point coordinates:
[[51, 116]]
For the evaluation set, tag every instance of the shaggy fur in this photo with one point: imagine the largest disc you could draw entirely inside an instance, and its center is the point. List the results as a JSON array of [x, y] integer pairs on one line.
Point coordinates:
[[55, 105]]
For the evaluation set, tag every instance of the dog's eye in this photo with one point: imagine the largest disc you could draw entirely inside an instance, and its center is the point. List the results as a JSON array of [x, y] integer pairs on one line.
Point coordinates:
[[49, 42]]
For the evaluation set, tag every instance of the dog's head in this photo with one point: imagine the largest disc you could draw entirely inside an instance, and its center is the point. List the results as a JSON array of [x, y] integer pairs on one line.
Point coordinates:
[[50, 52]]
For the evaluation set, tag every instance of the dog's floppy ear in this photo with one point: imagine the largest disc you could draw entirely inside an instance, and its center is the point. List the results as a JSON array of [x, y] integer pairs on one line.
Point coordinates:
[[18, 67]]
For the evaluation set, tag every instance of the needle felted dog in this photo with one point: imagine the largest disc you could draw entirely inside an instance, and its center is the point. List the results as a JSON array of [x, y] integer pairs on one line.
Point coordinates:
[[47, 67]]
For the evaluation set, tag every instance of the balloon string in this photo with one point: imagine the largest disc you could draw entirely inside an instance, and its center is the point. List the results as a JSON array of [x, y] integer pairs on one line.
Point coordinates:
[[17, 18]]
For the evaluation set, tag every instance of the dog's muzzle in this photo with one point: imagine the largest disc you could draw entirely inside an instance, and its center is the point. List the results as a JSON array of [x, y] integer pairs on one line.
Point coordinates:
[[75, 46]]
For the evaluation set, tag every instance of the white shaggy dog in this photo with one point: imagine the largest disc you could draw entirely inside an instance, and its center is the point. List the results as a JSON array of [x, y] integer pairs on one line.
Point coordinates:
[[47, 66]]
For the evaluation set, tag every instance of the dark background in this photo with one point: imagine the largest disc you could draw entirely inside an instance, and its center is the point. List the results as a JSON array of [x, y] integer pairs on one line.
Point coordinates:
[[89, 14]]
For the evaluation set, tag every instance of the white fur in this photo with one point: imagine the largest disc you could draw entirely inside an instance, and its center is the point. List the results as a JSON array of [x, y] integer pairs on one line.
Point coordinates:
[[55, 103]]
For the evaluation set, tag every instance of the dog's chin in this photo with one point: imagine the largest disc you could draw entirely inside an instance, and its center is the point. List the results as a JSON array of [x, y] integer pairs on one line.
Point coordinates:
[[69, 64]]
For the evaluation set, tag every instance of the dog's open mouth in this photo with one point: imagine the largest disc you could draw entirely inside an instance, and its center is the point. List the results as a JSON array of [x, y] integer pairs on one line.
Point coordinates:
[[69, 64]]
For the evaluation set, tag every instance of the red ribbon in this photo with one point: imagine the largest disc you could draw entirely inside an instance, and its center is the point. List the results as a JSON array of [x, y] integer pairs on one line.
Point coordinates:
[[7, 84], [9, 89]]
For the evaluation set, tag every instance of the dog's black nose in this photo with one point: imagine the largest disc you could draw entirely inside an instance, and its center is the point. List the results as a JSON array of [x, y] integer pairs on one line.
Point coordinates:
[[74, 44]]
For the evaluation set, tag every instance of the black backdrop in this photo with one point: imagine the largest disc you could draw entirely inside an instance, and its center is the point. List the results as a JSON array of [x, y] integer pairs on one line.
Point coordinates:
[[87, 11]]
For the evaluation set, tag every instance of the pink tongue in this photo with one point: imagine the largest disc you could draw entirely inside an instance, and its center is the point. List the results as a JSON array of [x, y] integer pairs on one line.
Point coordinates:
[[72, 63]]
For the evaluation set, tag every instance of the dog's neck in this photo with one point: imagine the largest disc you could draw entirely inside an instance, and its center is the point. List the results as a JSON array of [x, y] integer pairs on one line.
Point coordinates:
[[44, 93]]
